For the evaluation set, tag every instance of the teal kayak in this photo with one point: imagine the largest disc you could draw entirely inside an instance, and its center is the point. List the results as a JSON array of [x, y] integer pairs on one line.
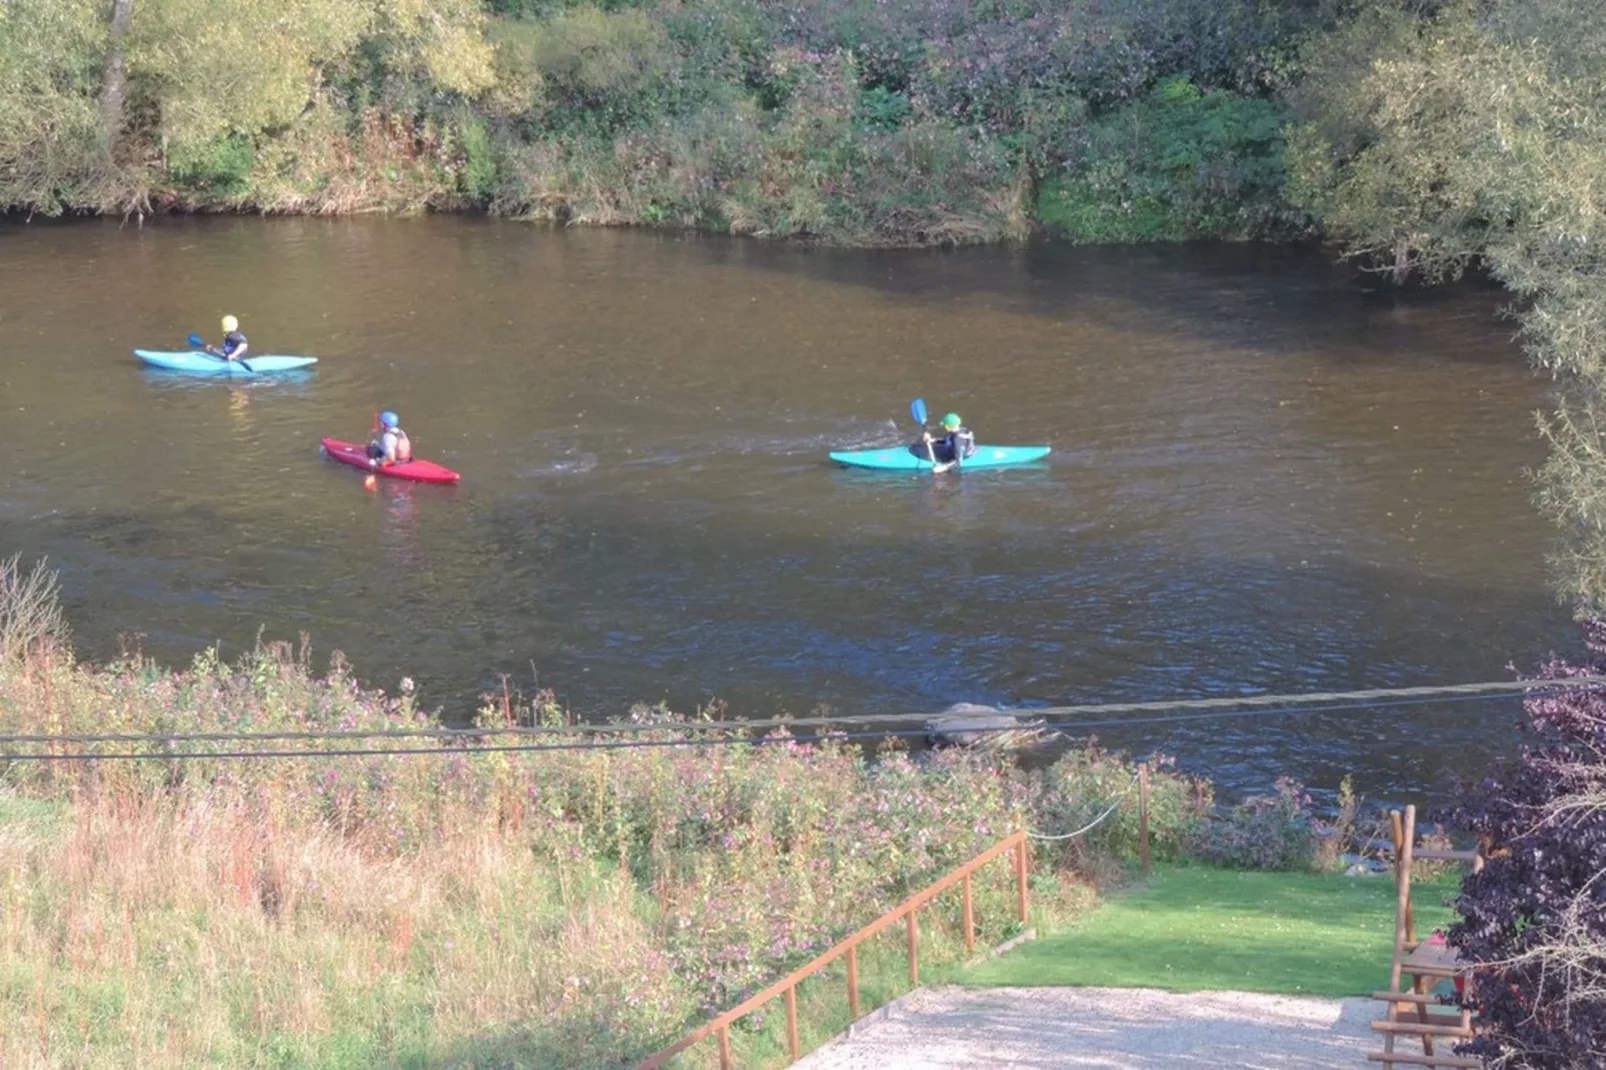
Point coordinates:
[[913, 458], [195, 362]]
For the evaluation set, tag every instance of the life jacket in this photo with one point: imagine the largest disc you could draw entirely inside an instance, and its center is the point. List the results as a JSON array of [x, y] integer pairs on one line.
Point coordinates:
[[232, 341], [404, 447], [959, 444]]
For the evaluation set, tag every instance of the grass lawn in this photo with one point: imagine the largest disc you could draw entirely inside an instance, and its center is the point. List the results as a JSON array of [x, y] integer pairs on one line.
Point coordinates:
[[1188, 929]]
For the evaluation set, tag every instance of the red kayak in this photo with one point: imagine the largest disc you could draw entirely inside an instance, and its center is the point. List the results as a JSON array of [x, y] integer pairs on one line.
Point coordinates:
[[418, 471]]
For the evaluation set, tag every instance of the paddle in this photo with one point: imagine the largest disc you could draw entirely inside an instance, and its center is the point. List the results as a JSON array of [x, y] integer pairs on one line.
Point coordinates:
[[917, 409], [369, 481], [200, 343]]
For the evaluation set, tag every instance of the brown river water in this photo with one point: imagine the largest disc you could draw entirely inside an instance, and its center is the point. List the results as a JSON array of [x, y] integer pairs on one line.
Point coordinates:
[[1268, 475]]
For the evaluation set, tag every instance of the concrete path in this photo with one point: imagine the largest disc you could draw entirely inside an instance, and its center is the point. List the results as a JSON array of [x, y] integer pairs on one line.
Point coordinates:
[[1107, 1029]]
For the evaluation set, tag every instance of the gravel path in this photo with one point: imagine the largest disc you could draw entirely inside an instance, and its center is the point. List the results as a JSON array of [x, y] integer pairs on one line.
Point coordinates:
[[1105, 1028]]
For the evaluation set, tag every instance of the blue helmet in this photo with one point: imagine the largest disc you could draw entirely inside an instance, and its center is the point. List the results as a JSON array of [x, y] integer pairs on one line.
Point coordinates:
[[389, 419]]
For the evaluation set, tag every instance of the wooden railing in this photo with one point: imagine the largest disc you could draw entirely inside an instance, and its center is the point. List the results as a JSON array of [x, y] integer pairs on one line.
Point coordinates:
[[906, 911]]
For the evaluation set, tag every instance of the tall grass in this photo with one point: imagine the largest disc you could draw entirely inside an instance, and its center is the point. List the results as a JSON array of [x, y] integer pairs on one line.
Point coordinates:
[[458, 907]]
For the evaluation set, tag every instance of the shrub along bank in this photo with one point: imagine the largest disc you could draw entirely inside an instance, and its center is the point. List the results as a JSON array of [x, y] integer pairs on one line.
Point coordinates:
[[842, 120], [569, 905]]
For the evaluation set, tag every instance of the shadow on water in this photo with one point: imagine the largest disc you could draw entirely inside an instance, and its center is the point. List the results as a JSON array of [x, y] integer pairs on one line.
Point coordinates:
[[1271, 297]]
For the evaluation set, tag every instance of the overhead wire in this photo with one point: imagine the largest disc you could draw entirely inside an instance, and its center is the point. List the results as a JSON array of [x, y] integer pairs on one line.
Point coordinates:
[[1091, 825], [1432, 695], [1228, 706]]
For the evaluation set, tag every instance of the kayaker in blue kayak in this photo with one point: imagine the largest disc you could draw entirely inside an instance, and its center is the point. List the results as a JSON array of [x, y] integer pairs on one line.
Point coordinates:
[[391, 446], [234, 344], [956, 443]]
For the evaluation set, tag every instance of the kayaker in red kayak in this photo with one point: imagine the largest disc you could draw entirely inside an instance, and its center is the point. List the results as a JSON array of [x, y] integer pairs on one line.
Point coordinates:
[[391, 446], [957, 443], [234, 344]]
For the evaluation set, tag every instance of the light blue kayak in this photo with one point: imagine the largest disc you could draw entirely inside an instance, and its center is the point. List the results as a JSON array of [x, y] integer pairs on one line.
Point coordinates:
[[913, 458], [195, 362]]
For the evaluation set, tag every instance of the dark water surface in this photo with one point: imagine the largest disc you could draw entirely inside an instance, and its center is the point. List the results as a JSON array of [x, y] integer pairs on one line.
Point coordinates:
[[1265, 476]]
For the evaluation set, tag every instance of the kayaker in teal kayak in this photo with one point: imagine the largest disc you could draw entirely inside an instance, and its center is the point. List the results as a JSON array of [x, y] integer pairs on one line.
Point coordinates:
[[391, 445], [234, 344], [956, 443]]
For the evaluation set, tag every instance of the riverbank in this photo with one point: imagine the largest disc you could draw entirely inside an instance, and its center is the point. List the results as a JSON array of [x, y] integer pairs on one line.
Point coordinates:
[[561, 906], [849, 124], [352, 897]]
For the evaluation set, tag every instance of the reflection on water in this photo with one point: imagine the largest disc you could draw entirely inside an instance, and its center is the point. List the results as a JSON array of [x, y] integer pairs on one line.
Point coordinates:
[[1266, 476]]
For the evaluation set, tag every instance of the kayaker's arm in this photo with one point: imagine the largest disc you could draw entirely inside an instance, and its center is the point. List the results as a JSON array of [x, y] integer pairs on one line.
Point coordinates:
[[961, 444], [931, 452]]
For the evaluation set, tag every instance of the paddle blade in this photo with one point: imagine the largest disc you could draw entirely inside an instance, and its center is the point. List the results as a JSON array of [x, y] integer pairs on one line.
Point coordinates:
[[917, 409], [197, 341]]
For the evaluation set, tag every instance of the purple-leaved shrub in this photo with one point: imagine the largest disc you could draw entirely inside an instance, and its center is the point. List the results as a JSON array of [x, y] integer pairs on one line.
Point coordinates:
[[1534, 919]]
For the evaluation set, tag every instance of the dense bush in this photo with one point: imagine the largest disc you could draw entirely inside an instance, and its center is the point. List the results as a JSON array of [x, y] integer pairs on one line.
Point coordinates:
[[1180, 163], [1534, 919], [1275, 831], [218, 168], [845, 120]]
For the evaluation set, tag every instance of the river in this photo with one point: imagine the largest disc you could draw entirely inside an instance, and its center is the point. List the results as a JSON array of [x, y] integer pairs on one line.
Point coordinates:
[[1268, 475]]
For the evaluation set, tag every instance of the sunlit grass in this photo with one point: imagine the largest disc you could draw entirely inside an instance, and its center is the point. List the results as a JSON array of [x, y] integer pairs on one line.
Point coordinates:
[[1189, 929]]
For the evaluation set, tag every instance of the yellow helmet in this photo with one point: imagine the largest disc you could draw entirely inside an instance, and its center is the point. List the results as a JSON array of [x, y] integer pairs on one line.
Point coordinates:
[[230, 324]]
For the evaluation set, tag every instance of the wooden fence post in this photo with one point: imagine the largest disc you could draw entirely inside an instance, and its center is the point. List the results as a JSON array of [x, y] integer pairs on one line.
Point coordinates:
[[1020, 877], [853, 981], [914, 950], [792, 1043], [970, 920], [1143, 815], [1016, 845]]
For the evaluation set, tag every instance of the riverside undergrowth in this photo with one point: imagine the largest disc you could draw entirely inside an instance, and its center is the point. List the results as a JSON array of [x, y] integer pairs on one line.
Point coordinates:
[[463, 905], [844, 121]]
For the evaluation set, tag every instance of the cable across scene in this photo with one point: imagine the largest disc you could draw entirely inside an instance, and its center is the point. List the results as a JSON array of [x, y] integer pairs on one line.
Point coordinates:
[[1458, 693], [1242, 706], [1091, 825]]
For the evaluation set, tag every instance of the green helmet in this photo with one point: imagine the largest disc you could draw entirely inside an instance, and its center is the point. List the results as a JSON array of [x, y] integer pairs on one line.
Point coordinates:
[[951, 421]]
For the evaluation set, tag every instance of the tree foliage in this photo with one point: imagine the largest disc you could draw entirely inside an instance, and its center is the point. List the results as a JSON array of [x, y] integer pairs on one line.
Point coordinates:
[[1478, 134], [205, 79], [1475, 133], [1181, 163], [215, 67], [49, 71], [1535, 918], [209, 68], [852, 120]]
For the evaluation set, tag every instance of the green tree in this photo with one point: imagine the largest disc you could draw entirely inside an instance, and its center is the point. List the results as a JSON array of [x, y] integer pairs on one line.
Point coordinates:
[[194, 83], [48, 77], [210, 68], [114, 74], [1478, 133]]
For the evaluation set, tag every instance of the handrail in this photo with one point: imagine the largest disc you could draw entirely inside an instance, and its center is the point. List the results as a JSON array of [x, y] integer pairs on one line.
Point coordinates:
[[849, 946]]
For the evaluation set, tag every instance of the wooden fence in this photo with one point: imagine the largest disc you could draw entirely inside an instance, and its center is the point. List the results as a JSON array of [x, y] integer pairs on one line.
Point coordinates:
[[905, 911]]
